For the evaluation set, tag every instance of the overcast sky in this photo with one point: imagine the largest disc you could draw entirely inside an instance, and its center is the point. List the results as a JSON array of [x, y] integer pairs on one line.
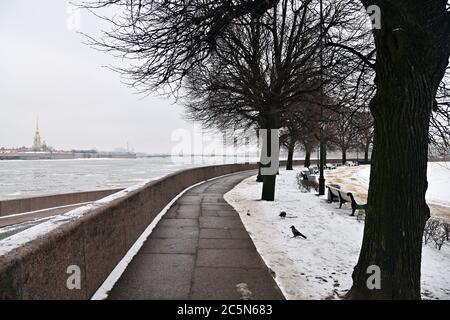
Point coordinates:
[[45, 69]]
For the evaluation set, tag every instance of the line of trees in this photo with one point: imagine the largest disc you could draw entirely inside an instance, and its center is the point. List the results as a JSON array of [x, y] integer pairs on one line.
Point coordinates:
[[257, 64]]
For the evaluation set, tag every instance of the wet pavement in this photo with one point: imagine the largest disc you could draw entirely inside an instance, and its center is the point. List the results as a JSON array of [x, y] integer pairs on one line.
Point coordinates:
[[199, 250]]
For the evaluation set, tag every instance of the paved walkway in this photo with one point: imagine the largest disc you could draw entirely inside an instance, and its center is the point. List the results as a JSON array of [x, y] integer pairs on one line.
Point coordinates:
[[199, 250]]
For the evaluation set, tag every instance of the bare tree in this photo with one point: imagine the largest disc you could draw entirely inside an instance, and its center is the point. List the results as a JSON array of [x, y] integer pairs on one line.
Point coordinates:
[[437, 231], [289, 140], [345, 132], [447, 231], [430, 230], [440, 119], [240, 62], [168, 38], [262, 72], [301, 124], [308, 126], [364, 124], [413, 48]]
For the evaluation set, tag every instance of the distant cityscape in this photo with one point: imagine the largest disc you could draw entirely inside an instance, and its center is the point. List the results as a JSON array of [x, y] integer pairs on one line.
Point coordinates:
[[40, 150]]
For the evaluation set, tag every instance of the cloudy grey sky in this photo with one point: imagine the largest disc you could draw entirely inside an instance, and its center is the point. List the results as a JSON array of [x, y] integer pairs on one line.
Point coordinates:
[[45, 69]]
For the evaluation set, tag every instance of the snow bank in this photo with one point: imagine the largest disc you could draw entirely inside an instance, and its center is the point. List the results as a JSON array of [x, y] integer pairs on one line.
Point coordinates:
[[438, 181], [356, 180], [20, 239], [321, 266]]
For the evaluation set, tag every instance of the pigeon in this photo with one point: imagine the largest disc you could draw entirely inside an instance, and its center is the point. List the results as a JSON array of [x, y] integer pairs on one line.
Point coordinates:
[[297, 233], [283, 214], [248, 213]]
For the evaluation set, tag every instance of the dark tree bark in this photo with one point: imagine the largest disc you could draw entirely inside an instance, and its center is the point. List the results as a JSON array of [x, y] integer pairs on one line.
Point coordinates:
[[269, 181], [307, 158], [290, 159], [344, 156], [366, 153], [412, 54], [259, 177], [268, 191]]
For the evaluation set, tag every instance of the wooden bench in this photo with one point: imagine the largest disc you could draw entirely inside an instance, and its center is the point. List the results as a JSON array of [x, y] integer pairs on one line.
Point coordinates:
[[335, 192]]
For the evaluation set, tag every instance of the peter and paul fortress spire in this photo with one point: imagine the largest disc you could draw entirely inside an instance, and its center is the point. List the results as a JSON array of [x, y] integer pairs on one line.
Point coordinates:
[[37, 146]]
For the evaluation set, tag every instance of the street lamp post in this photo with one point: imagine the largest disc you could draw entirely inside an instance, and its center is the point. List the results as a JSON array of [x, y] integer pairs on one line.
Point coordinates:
[[322, 144], [321, 165]]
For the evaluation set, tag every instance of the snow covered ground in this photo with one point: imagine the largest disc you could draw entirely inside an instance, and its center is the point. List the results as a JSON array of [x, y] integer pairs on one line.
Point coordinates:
[[438, 177], [439, 182], [356, 180], [319, 267]]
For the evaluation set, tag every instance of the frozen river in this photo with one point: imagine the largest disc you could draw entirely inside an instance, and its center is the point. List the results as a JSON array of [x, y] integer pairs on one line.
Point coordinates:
[[19, 179]]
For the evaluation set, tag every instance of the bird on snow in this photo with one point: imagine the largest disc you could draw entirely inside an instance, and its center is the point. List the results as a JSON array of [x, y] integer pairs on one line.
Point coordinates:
[[283, 214], [297, 233], [248, 213]]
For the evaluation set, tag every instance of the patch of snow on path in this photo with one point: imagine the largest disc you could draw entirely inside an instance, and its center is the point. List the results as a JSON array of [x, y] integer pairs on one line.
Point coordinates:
[[319, 267]]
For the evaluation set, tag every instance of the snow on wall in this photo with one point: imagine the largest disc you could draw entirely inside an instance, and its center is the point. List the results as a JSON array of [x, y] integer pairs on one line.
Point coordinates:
[[22, 238]]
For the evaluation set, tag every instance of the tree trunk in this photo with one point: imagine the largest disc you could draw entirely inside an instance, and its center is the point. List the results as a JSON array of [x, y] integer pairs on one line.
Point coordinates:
[[344, 156], [269, 181], [410, 64], [396, 214], [268, 191], [366, 153], [290, 159], [259, 177], [307, 158]]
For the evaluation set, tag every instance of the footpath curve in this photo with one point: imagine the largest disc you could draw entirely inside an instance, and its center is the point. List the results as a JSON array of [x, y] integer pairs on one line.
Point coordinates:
[[199, 250]]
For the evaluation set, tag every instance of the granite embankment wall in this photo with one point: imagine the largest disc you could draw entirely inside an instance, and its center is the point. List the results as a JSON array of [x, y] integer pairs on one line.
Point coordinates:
[[95, 242], [14, 206]]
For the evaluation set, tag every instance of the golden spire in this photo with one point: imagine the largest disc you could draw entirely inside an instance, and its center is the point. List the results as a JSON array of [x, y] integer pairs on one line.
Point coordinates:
[[37, 146]]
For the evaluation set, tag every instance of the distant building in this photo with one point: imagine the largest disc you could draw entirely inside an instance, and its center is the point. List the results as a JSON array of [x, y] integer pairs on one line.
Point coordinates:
[[41, 151], [37, 146]]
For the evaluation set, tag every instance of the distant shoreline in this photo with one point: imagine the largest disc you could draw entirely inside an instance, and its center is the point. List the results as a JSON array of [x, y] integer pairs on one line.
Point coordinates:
[[103, 155], [67, 155]]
